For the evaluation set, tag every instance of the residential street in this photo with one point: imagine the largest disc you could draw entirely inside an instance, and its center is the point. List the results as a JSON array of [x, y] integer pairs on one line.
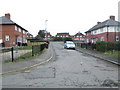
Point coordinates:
[[68, 69]]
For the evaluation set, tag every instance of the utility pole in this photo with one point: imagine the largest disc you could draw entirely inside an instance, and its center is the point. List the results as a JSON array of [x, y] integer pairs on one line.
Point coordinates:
[[79, 36], [46, 29]]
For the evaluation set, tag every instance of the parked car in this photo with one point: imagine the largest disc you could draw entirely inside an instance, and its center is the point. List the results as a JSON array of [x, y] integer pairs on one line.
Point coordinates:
[[69, 44]]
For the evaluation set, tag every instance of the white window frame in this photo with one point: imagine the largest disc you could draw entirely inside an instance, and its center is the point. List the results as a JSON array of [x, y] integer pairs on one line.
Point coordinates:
[[48, 35], [117, 38], [7, 38], [102, 38], [16, 28], [19, 29]]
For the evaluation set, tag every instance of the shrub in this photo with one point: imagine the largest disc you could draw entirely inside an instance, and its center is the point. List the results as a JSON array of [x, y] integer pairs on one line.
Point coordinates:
[[67, 39], [101, 46], [57, 39], [107, 46], [117, 46]]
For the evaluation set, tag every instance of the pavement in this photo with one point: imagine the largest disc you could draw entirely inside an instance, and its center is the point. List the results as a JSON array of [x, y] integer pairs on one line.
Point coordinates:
[[45, 57], [98, 55]]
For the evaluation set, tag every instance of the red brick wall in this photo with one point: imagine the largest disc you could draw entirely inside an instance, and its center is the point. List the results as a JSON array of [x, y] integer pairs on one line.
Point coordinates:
[[8, 30], [11, 32], [111, 36]]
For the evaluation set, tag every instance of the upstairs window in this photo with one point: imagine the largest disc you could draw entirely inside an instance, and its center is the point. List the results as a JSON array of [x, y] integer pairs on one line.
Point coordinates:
[[101, 30], [19, 29], [16, 28]]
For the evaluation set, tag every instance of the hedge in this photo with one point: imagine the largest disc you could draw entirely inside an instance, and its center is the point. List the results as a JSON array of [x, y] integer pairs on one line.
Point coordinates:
[[107, 46]]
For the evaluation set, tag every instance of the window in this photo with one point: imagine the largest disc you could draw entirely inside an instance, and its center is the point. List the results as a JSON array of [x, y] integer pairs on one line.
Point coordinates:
[[117, 38], [0, 40], [16, 28], [95, 32], [66, 35], [24, 32], [101, 30], [7, 38], [19, 29], [102, 39], [48, 35], [91, 33], [118, 29]]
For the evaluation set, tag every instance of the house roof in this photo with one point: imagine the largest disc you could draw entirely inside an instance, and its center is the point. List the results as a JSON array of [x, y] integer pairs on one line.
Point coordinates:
[[79, 34], [62, 33], [108, 22], [6, 21]]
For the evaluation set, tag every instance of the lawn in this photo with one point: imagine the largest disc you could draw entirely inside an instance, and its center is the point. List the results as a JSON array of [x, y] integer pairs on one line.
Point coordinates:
[[113, 53]]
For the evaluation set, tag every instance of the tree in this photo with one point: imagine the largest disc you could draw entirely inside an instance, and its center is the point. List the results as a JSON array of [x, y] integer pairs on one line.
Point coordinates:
[[41, 34]]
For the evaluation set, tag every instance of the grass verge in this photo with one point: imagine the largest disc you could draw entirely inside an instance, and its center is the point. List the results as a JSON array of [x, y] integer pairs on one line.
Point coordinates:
[[114, 54], [25, 57]]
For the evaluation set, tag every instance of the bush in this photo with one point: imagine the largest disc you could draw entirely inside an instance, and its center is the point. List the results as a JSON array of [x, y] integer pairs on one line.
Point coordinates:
[[101, 46], [58, 39], [107, 46], [67, 39]]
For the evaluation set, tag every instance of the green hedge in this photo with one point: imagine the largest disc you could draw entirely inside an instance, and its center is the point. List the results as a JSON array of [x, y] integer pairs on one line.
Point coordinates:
[[58, 39], [107, 46]]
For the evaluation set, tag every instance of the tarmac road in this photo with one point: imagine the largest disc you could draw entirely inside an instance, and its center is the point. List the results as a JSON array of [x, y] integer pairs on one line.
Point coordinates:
[[70, 69]]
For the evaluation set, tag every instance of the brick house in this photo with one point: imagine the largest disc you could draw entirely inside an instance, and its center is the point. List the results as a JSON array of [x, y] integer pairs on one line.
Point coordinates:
[[48, 36], [108, 30], [79, 37], [29, 36], [63, 35], [12, 34]]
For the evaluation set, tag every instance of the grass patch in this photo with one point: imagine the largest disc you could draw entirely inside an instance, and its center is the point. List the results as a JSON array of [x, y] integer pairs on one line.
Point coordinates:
[[113, 53], [25, 57], [23, 48]]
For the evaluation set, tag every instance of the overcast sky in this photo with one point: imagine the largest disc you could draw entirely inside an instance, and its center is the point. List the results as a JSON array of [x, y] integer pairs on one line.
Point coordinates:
[[63, 15]]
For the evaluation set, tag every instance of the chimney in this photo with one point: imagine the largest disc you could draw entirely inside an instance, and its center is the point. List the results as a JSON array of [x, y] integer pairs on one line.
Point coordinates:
[[98, 22], [7, 15], [112, 17]]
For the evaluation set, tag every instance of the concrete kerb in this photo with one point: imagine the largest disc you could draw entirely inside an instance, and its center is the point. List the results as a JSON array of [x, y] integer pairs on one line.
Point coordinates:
[[29, 67], [99, 57]]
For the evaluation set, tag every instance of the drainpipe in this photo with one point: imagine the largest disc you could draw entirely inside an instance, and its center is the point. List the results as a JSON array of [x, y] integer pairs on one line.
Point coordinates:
[[107, 33], [115, 34]]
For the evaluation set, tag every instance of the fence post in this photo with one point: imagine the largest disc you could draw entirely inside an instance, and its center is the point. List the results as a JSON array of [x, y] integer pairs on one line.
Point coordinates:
[[32, 51], [86, 45], [12, 54]]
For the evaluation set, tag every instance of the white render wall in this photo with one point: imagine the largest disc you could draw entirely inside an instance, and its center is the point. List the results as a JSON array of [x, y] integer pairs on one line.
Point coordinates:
[[106, 29]]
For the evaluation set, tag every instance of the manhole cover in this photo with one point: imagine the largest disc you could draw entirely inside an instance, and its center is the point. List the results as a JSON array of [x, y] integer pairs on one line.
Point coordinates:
[[40, 73]]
